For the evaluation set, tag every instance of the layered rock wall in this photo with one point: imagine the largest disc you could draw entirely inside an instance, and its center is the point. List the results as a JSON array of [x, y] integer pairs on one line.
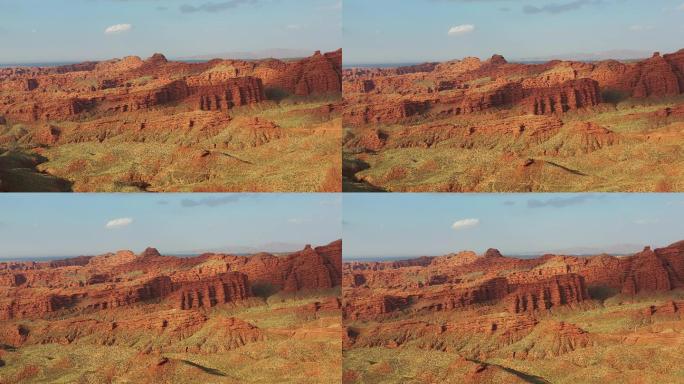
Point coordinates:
[[225, 288]]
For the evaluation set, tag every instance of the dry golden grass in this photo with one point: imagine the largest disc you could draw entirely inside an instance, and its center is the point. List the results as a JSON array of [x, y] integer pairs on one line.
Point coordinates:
[[648, 157], [228, 158], [296, 348]]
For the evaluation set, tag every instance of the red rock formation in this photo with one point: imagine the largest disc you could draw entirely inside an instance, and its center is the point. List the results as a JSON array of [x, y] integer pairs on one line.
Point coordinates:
[[150, 252], [379, 266], [553, 339], [571, 95], [646, 272], [555, 99], [656, 77], [31, 84], [146, 98], [492, 254], [48, 135], [332, 304], [332, 254], [530, 129], [550, 88], [229, 94], [225, 288], [44, 110], [594, 137], [167, 325], [446, 85], [75, 261], [481, 100], [546, 294], [32, 306], [424, 67], [124, 279], [229, 333], [112, 259], [497, 60], [310, 268], [650, 270], [369, 140], [465, 281], [13, 335], [371, 307], [365, 86], [318, 74], [507, 309], [482, 292], [203, 95], [392, 112], [131, 84]]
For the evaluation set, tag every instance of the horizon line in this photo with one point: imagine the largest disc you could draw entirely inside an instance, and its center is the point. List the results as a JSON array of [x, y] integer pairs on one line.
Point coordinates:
[[515, 60], [522, 253], [194, 57], [186, 253]]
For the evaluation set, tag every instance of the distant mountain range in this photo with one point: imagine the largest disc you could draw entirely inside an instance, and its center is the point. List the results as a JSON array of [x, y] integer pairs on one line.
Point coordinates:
[[615, 250], [618, 54], [276, 53], [273, 247]]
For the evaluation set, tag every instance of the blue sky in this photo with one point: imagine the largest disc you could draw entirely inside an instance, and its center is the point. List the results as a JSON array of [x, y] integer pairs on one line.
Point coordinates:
[[397, 225], [387, 31], [68, 30], [39, 225]]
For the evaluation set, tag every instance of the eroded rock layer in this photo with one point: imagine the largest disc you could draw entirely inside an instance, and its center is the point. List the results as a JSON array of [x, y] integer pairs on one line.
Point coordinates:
[[553, 87], [476, 125], [465, 281], [122, 279], [157, 125], [441, 314]]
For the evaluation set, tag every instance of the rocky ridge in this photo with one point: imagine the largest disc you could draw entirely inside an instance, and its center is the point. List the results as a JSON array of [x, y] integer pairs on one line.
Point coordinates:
[[377, 290], [105, 282]]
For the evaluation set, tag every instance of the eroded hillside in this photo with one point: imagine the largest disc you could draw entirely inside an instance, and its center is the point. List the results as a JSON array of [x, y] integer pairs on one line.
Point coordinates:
[[487, 126], [468, 318], [158, 125], [152, 318]]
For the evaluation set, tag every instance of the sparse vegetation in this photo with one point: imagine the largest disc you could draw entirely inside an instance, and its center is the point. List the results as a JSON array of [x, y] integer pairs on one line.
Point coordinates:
[[286, 354]]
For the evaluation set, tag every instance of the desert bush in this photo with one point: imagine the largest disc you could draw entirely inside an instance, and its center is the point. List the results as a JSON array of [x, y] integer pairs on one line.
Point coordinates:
[[77, 166], [263, 289], [396, 173], [28, 372]]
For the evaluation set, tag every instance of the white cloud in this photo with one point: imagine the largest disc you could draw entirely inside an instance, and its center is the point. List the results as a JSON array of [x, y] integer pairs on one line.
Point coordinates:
[[119, 223], [118, 28], [461, 29], [293, 27], [681, 7], [465, 223], [639, 28], [295, 221]]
